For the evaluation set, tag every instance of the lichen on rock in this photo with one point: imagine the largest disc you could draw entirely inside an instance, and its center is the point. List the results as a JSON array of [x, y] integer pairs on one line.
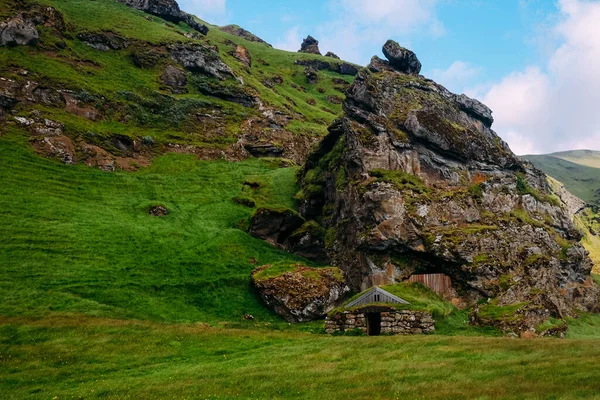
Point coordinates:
[[299, 293]]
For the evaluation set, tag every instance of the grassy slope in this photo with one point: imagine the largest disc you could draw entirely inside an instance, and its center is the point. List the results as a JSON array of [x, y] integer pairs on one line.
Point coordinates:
[[582, 181], [79, 240], [108, 74], [590, 158]]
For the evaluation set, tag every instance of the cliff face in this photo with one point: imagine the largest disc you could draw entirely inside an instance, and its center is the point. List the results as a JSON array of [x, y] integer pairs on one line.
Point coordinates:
[[412, 179]]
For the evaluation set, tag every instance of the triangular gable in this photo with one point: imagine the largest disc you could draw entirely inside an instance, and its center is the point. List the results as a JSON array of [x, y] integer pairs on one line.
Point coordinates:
[[376, 295]]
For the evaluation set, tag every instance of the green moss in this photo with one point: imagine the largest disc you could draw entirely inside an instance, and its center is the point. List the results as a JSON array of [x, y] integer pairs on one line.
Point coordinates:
[[400, 179], [311, 227], [523, 189], [505, 282], [493, 312], [551, 323], [476, 191]]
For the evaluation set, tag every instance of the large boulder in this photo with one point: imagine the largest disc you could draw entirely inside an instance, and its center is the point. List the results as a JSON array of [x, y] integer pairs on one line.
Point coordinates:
[[199, 58], [411, 179], [310, 45], [400, 58], [18, 30], [168, 10], [299, 293]]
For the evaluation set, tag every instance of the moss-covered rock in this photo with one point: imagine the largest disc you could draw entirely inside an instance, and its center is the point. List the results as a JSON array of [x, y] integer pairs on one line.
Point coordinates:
[[300, 293]]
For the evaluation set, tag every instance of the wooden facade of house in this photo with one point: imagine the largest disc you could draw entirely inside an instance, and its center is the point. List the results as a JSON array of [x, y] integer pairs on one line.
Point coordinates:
[[439, 283]]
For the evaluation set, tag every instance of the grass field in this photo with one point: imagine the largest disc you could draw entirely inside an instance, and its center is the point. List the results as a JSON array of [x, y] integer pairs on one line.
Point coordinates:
[[92, 358]]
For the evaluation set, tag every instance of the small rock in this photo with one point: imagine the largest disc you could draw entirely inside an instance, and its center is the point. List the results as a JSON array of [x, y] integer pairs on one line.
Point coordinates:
[[401, 59], [158, 211], [312, 76], [332, 55]]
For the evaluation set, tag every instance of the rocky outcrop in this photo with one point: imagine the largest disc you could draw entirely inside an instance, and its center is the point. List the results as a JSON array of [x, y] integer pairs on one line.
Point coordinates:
[[310, 45], [341, 68], [199, 58], [18, 31], [274, 225], [571, 203], [401, 59], [95, 156], [413, 180], [57, 147], [299, 293], [103, 41], [168, 10], [241, 32], [175, 79], [242, 54], [332, 55]]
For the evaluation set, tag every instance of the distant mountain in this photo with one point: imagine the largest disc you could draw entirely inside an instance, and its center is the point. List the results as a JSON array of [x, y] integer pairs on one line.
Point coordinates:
[[574, 170]]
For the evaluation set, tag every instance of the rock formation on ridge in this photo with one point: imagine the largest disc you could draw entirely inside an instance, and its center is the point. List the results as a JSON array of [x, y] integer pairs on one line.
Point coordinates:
[[168, 10], [310, 45], [413, 180]]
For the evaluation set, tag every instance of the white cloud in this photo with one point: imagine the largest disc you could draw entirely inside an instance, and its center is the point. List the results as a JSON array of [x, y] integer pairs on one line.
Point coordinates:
[[556, 107], [290, 41], [456, 76], [212, 11], [361, 24]]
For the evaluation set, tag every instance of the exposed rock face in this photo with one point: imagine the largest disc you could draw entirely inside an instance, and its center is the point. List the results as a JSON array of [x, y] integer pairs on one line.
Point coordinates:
[[175, 79], [332, 55], [400, 58], [19, 31], [198, 58], [310, 45], [299, 293], [103, 41], [242, 55], [572, 203], [168, 10], [98, 157], [241, 32], [58, 147], [274, 226], [340, 68], [413, 180]]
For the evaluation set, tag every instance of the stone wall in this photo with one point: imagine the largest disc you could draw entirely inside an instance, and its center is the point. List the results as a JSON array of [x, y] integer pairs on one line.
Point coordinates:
[[394, 322]]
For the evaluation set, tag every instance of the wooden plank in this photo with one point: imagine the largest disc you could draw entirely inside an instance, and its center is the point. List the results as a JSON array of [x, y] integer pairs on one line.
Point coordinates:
[[439, 283]]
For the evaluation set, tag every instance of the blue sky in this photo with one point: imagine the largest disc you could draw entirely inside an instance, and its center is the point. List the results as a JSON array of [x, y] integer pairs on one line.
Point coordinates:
[[508, 53]]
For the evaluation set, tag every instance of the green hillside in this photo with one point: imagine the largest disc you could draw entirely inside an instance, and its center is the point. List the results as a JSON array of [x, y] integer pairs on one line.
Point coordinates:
[[589, 158], [583, 181]]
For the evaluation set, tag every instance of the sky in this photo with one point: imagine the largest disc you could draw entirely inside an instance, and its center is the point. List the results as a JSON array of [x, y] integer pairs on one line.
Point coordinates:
[[535, 63]]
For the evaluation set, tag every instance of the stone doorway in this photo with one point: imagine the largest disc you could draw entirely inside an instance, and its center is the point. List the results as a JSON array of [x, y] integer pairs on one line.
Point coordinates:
[[373, 324]]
